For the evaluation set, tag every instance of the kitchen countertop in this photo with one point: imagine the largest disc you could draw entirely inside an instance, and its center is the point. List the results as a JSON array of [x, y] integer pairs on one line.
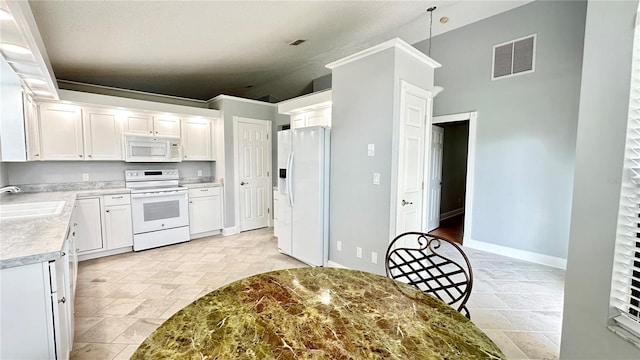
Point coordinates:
[[317, 313], [37, 239], [201, 185]]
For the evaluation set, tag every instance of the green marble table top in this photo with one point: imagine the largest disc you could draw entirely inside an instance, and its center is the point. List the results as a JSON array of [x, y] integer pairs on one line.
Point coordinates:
[[317, 313]]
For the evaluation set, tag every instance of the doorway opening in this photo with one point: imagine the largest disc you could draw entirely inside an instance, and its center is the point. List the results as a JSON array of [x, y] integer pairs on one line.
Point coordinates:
[[450, 192]]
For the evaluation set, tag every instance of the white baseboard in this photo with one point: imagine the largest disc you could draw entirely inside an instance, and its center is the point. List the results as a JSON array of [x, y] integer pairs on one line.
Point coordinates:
[[205, 234], [533, 257], [229, 231], [334, 264], [452, 213], [99, 254]]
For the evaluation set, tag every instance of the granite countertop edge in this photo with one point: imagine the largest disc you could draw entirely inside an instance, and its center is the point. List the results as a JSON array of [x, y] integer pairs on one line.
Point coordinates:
[[38, 239], [201, 185]]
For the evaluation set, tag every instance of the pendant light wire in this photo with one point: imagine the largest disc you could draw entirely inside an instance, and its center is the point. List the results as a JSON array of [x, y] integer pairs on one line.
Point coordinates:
[[430, 11]]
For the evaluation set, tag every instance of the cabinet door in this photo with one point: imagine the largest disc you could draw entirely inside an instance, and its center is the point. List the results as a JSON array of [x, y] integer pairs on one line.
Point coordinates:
[[58, 272], [319, 117], [298, 121], [32, 128], [102, 135], [139, 124], [205, 214], [89, 229], [61, 132], [166, 126], [196, 139], [118, 226]]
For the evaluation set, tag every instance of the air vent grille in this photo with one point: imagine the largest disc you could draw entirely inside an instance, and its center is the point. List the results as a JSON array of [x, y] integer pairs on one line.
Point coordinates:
[[297, 42], [515, 57]]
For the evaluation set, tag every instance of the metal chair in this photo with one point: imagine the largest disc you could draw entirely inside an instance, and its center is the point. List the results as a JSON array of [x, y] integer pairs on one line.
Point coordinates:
[[412, 258]]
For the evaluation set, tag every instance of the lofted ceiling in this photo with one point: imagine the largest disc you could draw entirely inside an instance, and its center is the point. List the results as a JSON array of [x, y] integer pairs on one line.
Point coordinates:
[[199, 49]]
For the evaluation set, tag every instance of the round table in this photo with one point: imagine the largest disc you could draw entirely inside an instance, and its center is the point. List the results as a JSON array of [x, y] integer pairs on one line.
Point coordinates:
[[317, 313]]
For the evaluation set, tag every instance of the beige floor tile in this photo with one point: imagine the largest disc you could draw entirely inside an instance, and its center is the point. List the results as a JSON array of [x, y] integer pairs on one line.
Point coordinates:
[[126, 353], [487, 301], [84, 323], [95, 351], [139, 331], [88, 306], [138, 276], [128, 290], [188, 278], [534, 344], [508, 347], [120, 307], [106, 330], [151, 308], [187, 292], [157, 291]]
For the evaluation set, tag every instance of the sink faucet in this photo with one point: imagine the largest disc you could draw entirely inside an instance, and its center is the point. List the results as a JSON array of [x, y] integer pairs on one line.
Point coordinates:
[[10, 189]]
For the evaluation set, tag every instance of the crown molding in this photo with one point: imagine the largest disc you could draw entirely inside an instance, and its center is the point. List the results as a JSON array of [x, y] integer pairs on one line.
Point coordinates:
[[397, 43], [235, 98]]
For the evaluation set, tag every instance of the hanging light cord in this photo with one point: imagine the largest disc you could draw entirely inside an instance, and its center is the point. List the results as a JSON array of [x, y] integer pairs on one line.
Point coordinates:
[[430, 10]]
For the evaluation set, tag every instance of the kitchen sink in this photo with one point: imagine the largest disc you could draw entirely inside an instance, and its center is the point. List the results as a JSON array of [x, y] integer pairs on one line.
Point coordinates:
[[15, 211]]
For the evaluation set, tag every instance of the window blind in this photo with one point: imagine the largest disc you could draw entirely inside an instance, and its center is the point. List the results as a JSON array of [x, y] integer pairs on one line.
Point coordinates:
[[625, 289]]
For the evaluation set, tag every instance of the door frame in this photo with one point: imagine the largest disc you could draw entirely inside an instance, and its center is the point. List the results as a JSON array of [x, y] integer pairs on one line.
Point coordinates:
[[406, 87], [236, 174], [472, 117]]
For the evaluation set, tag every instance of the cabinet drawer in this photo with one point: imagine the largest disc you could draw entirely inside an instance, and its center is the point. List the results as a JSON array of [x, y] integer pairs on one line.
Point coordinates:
[[210, 191], [119, 199]]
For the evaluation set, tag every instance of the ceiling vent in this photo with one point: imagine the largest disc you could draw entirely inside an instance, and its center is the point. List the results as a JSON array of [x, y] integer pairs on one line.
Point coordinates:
[[297, 42], [515, 57]]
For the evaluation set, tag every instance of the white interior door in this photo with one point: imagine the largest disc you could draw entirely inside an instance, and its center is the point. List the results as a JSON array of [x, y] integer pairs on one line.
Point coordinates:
[[414, 107], [254, 162], [435, 178]]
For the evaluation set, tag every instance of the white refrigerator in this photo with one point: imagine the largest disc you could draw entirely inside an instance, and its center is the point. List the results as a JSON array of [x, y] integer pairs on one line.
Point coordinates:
[[303, 184]]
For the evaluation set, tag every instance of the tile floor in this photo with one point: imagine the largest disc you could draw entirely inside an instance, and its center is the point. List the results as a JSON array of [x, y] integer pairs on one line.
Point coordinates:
[[122, 299]]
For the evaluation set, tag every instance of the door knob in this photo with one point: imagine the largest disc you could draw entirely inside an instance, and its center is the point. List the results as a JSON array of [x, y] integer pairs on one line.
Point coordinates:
[[404, 202], [244, 183]]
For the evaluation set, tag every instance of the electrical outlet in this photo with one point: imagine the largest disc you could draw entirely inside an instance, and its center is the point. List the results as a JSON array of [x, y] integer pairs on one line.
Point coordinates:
[[85, 177], [371, 150], [199, 172], [374, 257], [359, 252], [376, 178], [339, 245]]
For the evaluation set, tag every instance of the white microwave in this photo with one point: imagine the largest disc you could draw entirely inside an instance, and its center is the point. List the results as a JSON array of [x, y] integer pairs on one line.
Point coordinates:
[[152, 149]]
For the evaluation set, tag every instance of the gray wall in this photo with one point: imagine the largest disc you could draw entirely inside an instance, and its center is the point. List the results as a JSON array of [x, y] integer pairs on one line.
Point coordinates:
[[232, 107], [4, 176], [47, 172], [604, 101], [364, 94], [454, 165], [526, 124], [322, 83]]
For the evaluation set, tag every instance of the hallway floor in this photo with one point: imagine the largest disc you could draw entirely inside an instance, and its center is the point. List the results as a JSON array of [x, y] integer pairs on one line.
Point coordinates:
[[450, 229]]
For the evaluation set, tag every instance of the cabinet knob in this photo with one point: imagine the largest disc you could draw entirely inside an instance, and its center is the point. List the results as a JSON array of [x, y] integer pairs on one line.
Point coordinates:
[[150, 132], [106, 210], [156, 132], [75, 224], [190, 202], [79, 155], [89, 155], [36, 154], [63, 300]]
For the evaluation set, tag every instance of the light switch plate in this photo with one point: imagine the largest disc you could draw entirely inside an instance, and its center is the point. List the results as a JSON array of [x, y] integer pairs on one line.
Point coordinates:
[[359, 252], [199, 172], [376, 178], [339, 245], [371, 150], [85, 177], [374, 257]]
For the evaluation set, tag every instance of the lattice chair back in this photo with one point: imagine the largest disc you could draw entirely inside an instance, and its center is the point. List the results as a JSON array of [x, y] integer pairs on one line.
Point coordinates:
[[434, 265]]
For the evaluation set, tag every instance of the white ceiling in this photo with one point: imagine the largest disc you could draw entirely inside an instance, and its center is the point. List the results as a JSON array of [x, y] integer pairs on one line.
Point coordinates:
[[201, 49]]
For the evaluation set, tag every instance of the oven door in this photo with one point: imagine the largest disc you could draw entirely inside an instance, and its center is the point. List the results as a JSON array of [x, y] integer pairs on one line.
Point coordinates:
[[159, 210]]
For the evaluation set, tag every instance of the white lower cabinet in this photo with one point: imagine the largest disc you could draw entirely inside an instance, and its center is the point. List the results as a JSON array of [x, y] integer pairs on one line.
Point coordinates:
[[205, 211], [36, 309], [104, 225]]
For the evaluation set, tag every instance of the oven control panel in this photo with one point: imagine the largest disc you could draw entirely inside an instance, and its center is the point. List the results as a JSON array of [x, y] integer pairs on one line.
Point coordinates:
[[148, 175]]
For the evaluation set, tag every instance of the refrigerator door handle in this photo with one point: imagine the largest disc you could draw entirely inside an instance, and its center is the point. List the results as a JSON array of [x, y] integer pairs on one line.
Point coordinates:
[[290, 179]]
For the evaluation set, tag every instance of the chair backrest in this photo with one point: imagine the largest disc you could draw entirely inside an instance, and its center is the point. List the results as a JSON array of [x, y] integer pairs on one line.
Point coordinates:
[[433, 265]]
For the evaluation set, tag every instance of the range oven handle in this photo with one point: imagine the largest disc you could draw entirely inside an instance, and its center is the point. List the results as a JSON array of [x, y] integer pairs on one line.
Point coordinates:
[[158, 194]]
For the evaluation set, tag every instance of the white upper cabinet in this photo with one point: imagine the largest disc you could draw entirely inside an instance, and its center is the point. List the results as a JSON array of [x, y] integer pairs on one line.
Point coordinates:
[[308, 110], [141, 124], [61, 132], [197, 139], [102, 135], [166, 126], [32, 129]]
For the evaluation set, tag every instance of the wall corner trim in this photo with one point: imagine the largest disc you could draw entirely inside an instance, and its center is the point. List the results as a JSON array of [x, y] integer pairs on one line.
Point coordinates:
[[229, 231], [533, 257], [396, 42]]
